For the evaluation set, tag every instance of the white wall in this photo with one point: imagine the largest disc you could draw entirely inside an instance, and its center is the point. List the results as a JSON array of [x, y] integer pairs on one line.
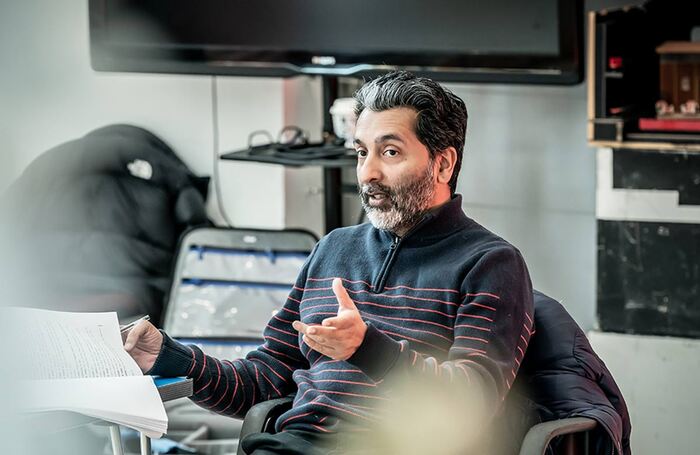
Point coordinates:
[[529, 176], [658, 378]]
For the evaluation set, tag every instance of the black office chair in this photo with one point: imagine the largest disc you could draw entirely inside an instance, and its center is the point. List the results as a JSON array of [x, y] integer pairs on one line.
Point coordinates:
[[573, 431]]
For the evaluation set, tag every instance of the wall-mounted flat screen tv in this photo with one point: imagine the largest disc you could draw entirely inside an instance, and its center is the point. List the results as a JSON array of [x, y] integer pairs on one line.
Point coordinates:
[[511, 41]]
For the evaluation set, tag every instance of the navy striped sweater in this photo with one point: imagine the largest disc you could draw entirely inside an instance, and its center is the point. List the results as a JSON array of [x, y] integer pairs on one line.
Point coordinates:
[[450, 302]]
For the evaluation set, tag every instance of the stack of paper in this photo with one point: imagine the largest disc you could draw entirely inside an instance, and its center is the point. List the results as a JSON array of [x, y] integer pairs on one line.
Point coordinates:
[[76, 362]]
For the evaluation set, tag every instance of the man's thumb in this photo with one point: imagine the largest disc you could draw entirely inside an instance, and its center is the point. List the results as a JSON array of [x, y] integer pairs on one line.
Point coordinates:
[[341, 294]]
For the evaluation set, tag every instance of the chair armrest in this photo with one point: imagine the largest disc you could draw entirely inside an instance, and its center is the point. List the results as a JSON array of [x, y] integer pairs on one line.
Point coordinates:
[[539, 436], [259, 417]]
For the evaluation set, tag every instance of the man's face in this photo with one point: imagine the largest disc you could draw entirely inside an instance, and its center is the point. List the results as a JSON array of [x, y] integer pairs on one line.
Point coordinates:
[[394, 170]]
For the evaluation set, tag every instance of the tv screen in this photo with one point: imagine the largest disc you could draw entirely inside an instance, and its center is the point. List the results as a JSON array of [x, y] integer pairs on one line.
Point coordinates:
[[538, 41]]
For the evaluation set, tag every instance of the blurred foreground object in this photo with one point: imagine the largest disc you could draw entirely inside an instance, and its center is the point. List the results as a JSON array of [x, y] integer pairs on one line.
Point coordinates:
[[92, 224]]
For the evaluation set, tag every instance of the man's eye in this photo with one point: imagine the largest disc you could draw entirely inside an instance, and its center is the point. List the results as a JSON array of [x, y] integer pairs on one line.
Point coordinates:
[[391, 152], [361, 153]]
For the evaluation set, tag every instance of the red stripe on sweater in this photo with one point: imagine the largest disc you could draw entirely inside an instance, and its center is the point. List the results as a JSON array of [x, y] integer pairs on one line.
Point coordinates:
[[478, 354], [420, 321], [334, 392], [267, 348], [270, 368], [238, 378], [406, 328], [281, 342], [218, 375], [223, 395], [281, 320], [202, 388], [475, 316], [321, 429], [490, 308], [479, 294], [474, 350], [286, 332], [400, 286], [235, 388], [204, 365], [194, 361], [466, 372], [484, 329], [342, 279], [295, 417], [344, 410], [284, 308], [464, 337], [340, 381], [403, 336], [271, 383]]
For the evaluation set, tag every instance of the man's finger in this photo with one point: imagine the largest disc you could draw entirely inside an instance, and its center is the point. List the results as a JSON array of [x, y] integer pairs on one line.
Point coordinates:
[[341, 294], [300, 327], [134, 334], [318, 347], [319, 331], [337, 322]]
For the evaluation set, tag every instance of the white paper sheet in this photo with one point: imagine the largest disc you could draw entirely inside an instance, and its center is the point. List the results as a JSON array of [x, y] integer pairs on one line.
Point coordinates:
[[62, 345], [130, 401], [76, 362]]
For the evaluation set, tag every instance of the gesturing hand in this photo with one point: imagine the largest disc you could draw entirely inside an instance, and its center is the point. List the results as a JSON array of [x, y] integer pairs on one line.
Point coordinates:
[[143, 344], [340, 336]]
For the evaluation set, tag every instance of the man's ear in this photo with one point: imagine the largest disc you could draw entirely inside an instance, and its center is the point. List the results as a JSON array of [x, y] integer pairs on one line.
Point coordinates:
[[446, 161]]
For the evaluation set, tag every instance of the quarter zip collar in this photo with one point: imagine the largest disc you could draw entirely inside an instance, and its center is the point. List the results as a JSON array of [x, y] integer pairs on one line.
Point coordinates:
[[435, 224]]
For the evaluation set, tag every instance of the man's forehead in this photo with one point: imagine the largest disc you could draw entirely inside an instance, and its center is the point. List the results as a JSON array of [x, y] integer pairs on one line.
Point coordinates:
[[392, 124]]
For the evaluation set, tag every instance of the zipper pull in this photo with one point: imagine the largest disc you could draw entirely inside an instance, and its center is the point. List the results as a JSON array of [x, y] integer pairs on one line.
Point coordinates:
[[395, 243]]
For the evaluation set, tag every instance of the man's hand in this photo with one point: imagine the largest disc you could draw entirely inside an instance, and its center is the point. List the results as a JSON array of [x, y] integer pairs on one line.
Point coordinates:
[[340, 336], [143, 343]]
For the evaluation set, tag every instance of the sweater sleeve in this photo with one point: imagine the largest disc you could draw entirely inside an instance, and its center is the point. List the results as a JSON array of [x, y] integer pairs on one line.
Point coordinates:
[[231, 387], [491, 333]]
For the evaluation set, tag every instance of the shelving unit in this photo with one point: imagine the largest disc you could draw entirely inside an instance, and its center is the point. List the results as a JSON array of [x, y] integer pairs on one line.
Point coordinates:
[[623, 77]]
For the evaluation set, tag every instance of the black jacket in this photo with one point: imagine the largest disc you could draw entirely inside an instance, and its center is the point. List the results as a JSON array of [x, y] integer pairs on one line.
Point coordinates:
[[93, 223], [565, 378]]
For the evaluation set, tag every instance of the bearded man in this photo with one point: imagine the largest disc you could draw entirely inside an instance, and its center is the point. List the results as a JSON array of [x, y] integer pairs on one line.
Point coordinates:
[[421, 294]]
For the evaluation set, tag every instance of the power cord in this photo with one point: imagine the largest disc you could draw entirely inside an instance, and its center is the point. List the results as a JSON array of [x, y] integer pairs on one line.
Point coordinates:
[[217, 161]]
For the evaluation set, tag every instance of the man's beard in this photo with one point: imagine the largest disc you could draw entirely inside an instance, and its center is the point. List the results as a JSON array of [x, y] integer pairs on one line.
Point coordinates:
[[404, 204]]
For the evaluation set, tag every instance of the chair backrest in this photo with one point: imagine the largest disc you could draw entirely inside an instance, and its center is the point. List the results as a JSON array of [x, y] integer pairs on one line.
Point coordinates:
[[564, 377]]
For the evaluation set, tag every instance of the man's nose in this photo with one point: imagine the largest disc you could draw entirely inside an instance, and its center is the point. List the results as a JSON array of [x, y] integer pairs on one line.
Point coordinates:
[[369, 170]]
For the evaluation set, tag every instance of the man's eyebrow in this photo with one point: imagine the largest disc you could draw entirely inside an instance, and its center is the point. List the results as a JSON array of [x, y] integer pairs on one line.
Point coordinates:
[[381, 139], [389, 137]]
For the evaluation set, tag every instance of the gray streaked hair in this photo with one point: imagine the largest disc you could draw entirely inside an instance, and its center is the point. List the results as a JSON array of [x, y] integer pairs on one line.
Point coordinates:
[[441, 120]]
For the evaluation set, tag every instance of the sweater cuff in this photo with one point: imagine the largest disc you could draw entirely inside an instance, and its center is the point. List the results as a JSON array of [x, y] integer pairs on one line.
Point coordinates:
[[174, 359], [377, 354]]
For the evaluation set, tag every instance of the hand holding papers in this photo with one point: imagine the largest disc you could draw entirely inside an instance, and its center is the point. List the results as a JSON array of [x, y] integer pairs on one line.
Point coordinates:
[[76, 362], [143, 344]]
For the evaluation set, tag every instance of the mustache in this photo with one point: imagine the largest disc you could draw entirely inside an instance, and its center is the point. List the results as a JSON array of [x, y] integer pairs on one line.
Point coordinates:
[[370, 189]]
